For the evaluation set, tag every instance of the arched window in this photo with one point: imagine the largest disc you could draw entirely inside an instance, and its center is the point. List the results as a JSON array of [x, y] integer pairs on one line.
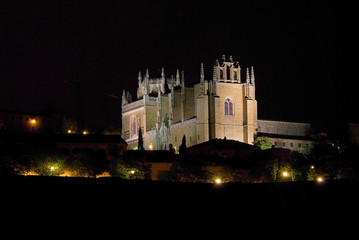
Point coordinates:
[[228, 107], [134, 126]]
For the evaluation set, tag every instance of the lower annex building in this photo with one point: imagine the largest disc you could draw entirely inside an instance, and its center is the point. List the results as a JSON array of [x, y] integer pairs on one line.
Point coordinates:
[[223, 106]]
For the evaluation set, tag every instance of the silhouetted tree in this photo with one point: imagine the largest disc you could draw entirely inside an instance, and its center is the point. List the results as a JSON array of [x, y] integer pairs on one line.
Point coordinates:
[[87, 162], [13, 159], [140, 140], [183, 147], [64, 125], [133, 165], [49, 164], [189, 169], [350, 168], [300, 164]]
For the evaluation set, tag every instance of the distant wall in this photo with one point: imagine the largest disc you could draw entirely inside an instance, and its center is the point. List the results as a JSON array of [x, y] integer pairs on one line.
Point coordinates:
[[283, 128]]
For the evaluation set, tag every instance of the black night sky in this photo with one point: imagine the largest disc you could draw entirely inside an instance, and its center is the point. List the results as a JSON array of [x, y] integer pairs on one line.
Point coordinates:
[[303, 53]]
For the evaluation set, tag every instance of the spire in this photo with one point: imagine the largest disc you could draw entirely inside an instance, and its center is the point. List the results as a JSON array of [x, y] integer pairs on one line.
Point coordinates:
[[159, 105], [139, 78], [214, 73], [230, 58], [163, 80], [124, 99], [145, 86], [178, 78], [145, 82], [147, 74], [159, 91], [217, 62], [252, 75], [201, 77], [172, 97], [214, 87], [247, 76], [162, 72], [128, 97], [224, 58], [182, 83]]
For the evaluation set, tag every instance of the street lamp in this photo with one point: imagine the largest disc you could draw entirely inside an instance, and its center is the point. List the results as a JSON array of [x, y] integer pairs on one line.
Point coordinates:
[[218, 181], [285, 174], [320, 179]]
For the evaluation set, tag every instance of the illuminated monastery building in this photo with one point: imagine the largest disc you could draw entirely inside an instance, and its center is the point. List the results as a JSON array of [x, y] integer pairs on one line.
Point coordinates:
[[223, 106]]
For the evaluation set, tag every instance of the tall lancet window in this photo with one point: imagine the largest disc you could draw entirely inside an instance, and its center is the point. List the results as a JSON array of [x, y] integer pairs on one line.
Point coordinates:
[[134, 127], [228, 107]]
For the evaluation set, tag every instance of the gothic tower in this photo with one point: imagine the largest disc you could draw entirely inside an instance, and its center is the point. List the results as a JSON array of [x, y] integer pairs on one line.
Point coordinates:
[[226, 106], [220, 106]]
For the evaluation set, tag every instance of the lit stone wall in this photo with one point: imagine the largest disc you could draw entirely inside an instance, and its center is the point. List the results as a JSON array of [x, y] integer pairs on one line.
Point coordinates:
[[292, 144], [198, 110], [188, 128], [283, 128]]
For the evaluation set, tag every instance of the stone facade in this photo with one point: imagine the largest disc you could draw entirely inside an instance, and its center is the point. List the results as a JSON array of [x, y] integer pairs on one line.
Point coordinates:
[[289, 135], [284, 128], [223, 106]]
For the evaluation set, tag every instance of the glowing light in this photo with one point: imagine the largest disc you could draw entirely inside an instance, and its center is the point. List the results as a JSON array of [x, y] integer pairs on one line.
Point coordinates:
[[85, 132], [285, 174], [320, 179], [33, 121], [52, 168], [312, 167], [150, 147], [132, 172], [218, 181], [69, 131]]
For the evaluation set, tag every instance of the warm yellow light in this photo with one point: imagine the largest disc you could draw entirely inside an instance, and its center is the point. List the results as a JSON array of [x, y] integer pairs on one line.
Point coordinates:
[[52, 168], [319, 179], [132, 171], [312, 167], [69, 131], [150, 147], [85, 132], [218, 181], [285, 174], [33, 121], [30, 173]]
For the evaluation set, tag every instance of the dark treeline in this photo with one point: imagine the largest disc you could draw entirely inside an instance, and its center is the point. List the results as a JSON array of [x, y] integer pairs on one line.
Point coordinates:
[[325, 161]]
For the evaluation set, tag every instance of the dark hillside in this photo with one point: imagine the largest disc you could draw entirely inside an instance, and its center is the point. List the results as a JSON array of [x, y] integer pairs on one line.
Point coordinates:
[[113, 196]]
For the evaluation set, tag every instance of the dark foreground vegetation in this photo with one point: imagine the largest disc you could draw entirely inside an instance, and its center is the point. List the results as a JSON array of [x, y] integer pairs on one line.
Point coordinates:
[[145, 200]]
